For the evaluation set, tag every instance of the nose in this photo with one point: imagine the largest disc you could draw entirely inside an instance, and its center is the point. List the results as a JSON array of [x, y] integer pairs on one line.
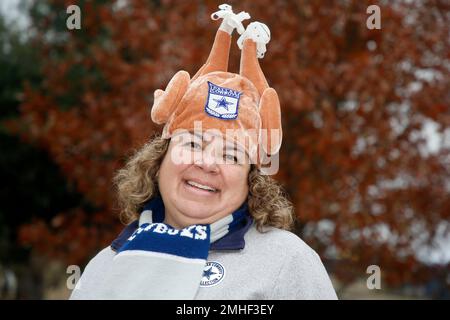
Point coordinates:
[[208, 160]]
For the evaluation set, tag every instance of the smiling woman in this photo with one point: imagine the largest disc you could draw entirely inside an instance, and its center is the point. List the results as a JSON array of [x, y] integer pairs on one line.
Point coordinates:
[[150, 173], [202, 191], [203, 221]]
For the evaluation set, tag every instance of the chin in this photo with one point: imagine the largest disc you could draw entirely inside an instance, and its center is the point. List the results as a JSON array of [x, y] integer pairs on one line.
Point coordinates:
[[197, 211]]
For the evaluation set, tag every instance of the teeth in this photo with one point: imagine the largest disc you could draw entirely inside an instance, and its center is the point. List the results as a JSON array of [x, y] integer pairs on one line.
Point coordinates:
[[201, 186]]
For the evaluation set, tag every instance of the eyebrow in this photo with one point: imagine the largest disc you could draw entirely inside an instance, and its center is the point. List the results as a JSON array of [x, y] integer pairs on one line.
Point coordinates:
[[234, 148], [197, 135]]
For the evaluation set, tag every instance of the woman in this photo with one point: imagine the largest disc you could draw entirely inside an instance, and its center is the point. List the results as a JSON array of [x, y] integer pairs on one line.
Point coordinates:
[[204, 222]]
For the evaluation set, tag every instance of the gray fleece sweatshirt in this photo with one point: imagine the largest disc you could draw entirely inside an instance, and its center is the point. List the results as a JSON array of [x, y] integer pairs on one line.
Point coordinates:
[[275, 264]]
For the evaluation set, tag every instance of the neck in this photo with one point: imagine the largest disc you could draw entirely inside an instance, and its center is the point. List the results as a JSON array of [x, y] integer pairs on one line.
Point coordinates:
[[183, 221], [177, 220]]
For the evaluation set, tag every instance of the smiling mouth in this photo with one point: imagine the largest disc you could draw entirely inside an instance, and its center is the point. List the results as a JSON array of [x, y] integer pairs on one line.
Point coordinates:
[[201, 186]]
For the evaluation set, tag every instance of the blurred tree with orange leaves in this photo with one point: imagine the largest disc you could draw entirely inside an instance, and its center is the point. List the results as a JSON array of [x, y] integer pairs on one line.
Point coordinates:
[[355, 104]]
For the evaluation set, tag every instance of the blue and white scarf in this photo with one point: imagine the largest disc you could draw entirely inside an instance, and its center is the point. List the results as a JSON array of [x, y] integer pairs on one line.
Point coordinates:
[[160, 262]]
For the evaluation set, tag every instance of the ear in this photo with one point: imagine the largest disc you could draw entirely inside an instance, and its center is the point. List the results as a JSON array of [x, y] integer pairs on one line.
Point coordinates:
[[165, 102], [270, 112]]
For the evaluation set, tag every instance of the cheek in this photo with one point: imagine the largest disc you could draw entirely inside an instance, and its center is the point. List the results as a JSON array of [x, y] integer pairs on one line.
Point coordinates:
[[169, 172], [237, 183]]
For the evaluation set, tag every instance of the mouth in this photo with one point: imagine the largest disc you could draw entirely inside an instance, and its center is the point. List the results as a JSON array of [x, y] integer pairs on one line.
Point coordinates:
[[200, 187]]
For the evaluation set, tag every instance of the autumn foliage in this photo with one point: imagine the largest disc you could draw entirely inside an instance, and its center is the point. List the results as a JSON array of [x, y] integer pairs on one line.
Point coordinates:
[[354, 104]]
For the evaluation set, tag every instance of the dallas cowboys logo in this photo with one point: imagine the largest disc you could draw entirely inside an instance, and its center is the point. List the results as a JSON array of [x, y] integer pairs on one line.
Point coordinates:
[[213, 273], [222, 102], [208, 273]]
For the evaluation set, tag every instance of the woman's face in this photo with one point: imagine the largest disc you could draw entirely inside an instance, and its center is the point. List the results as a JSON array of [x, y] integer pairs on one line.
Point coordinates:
[[202, 179]]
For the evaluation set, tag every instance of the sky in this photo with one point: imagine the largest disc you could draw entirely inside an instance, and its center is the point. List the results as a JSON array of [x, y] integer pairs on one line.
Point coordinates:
[[11, 11]]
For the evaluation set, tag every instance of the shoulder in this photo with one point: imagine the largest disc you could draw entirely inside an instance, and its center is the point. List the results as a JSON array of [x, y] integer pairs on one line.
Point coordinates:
[[278, 240], [301, 274], [93, 274], [102, 258]]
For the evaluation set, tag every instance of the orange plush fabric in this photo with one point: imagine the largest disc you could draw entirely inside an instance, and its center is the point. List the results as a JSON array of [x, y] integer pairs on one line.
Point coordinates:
[[249, 105]]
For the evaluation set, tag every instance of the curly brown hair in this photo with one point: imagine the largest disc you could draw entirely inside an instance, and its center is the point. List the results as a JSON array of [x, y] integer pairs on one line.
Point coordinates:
[[136, 183]]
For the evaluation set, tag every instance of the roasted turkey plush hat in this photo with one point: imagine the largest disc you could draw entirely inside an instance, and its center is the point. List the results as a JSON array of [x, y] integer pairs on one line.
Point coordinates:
[[216, 99]]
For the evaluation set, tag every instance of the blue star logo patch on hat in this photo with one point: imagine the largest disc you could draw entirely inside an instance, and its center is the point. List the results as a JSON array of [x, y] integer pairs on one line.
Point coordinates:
[[222, 102]]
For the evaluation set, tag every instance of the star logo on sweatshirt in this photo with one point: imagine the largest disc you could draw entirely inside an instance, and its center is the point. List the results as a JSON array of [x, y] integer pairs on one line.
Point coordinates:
[[222, 103], [208, 273], [213, 273]]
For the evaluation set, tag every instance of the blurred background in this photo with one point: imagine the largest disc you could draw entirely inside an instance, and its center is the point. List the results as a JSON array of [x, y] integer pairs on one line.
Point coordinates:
[[366, 120]]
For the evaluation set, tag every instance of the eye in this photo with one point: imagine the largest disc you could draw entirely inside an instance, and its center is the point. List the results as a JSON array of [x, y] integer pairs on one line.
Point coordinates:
[[193, 145], [231, 157]]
